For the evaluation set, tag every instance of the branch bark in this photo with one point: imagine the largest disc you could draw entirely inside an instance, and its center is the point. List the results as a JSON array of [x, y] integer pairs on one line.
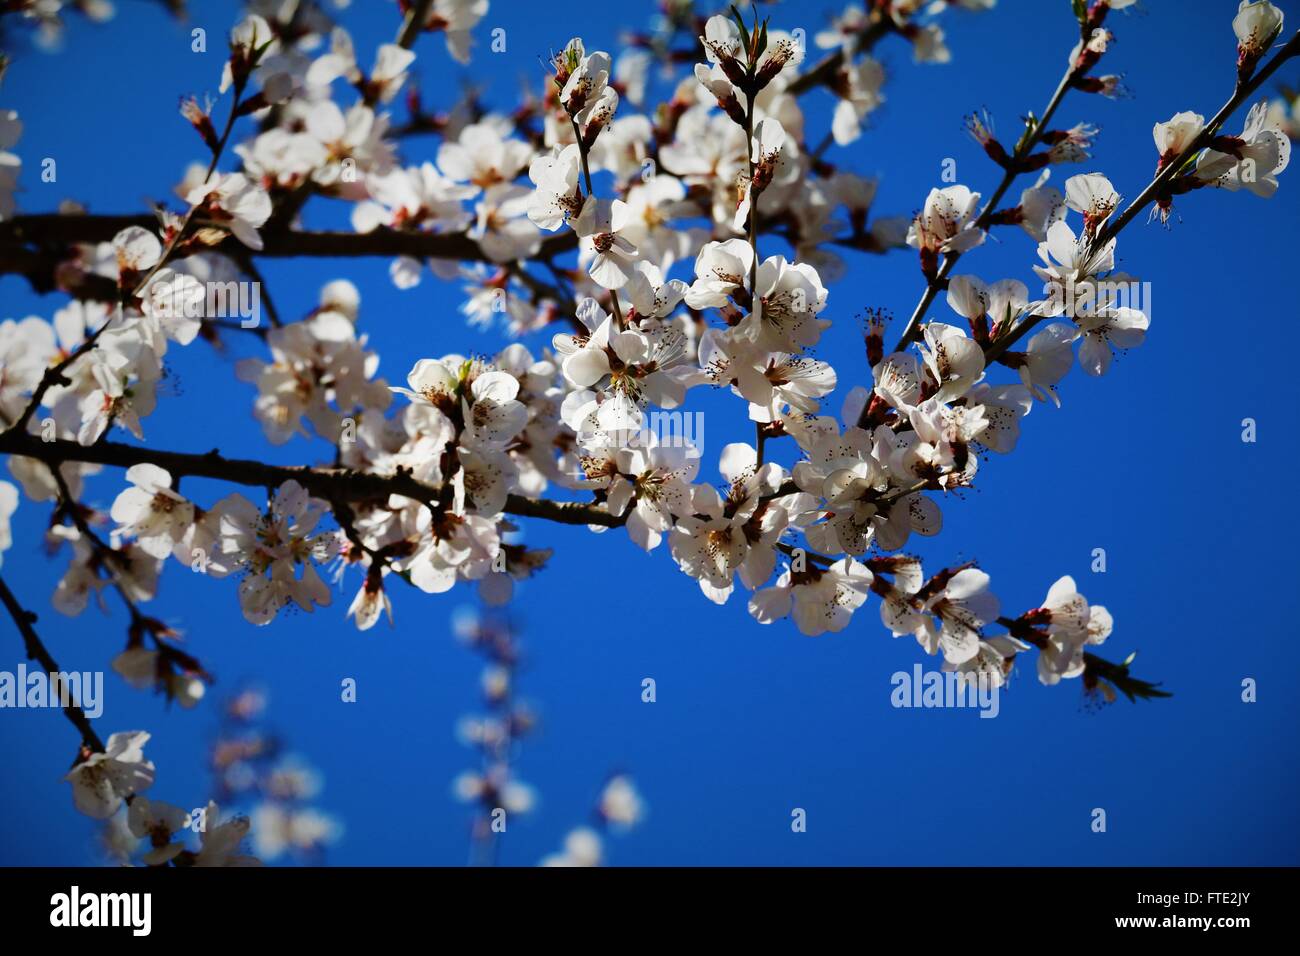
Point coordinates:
[[341, 484], [45, 229]]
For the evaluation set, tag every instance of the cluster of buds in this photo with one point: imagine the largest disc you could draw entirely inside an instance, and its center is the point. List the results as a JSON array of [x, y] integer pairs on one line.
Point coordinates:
[[493, 789], [746, 57], [152, 660], [256, 775], [249, 42], [1093, 43], [585, 93]]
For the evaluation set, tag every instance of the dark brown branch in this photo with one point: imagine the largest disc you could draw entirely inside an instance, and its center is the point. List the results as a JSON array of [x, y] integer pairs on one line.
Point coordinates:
[[414, 23], [825, 70], [332, 484], [46, 229], [1243, 92]]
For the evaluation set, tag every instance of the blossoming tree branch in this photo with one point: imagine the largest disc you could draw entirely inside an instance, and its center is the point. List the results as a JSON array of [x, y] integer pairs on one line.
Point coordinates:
[[670, 246]]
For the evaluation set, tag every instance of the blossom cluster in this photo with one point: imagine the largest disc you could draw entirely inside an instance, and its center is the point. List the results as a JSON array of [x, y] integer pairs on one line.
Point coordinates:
[[673, 285]]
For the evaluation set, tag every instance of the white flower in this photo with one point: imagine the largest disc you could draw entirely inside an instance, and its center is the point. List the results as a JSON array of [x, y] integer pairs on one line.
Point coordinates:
[[1070, 267], [1004, 406], [843, 469], [1004, 302], [277, 829], [355, 137], [733, 535], [858, 87], [140, 667], [946, 223], [270, 547], [775, 158], [417, 198], [783, 317], [937, 447], [714, 79], [586, 357], [954, 361], [654, 483], [1092, 195], [1176, 134], [768, 380], [1256, 24], [155, 515], [722, 46], [720, 269], [620, 804], [1047, 358], [822, 599], [994, 661], [220, 842], [287, 159], [482, 155], [649, 295], [158, 822], [845, 30], [103, 780], [1104, 329], [1040, 207], [240, 205], [137, 250], [484, 480], [384, 81], [599, 226], [721, 40], [556, 197], [26, 350], [8, 505], [247, 40], [114, 398], [457, 18], [319, 371], [897, 379], [496, 785], [582, 847], [1071, 625], [174, 304], [946, 614], [583, 89], [1262, 151], [646, 367]]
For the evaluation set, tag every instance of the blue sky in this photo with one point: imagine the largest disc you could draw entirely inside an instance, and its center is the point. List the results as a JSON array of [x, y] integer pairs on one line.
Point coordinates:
[[753, 721]]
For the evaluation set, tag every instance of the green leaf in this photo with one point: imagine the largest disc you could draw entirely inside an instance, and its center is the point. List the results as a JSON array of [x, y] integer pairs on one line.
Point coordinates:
[[744, 32], [1031, 126]]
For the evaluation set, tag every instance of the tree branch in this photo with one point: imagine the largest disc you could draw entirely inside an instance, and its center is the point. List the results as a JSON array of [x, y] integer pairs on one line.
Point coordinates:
[[1243, 92], [332, 484], [43, 229]]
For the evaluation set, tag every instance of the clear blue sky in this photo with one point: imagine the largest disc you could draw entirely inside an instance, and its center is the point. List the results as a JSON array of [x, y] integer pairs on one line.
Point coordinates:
[[753, 721]]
